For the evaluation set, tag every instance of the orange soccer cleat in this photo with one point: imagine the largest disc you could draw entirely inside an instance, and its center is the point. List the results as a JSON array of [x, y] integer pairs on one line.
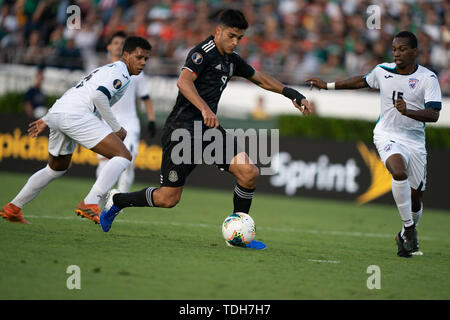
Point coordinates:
[[13, 213], [89, 211]]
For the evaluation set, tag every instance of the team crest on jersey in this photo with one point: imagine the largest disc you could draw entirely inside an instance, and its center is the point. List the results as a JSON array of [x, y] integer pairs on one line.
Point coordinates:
[[388, 147], [117, 84], [173, 176], [413, 83], [197, 58]]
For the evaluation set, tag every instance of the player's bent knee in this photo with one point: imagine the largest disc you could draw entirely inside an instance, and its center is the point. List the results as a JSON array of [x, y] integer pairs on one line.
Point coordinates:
[[399, 175], [126, 154], [249, 174]]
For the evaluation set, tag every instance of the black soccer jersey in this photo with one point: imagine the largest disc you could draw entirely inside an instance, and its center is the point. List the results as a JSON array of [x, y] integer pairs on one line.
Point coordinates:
[[213, 72]]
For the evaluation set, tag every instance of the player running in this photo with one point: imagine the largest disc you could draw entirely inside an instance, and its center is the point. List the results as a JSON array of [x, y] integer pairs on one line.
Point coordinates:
[[410, 96], [125, 112], [74, 119], [208, 68]]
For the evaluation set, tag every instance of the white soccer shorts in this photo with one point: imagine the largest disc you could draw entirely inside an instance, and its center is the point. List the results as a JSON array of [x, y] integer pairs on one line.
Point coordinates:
[[66, 130], [415, 157]]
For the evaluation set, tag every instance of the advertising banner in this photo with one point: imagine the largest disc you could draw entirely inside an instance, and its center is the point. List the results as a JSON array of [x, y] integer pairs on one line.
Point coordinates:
[[298, 167]]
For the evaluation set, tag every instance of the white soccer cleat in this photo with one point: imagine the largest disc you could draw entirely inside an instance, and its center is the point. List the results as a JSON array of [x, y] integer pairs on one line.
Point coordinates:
[[417, 253], [109, 199]]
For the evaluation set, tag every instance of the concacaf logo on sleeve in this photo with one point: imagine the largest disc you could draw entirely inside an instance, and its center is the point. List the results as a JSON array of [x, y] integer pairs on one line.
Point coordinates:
[[117, 84], [197, 58]]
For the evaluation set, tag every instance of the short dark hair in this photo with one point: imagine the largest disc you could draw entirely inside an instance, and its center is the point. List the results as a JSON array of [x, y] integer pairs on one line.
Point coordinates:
[[233, 19], [131, 43], [412, 39], [120, 34]]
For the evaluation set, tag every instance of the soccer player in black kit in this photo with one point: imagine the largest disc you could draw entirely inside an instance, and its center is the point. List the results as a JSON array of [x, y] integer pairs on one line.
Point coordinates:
[[208, 68]]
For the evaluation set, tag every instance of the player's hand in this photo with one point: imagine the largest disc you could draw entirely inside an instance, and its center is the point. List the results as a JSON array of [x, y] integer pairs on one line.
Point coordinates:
[[304, 107], [315, 82], [122, 133], [36, 128], [210, 119], [400, 105], [151, 128]]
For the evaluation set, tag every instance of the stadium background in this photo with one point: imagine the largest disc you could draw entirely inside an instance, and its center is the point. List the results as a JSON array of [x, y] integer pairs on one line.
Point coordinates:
[[292, 40], [320, 240]]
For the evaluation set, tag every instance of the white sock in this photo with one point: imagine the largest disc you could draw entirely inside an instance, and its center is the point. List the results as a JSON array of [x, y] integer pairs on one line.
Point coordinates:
[[38, 181], [401, 191], [101, 164], [416, 215], [126, 179], [106, 180]]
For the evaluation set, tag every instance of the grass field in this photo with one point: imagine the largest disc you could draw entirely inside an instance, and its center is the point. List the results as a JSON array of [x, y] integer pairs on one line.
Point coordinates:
[[316, 250]]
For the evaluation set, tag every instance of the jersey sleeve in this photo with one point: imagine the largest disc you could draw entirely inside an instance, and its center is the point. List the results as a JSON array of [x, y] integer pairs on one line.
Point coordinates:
[[142, 87], [433, 97], [113, 82], [243, 69], [196, 61], [372, 79]]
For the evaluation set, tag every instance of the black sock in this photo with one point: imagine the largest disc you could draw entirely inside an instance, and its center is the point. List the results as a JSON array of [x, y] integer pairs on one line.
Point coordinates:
[[143, 198], [242, 199]]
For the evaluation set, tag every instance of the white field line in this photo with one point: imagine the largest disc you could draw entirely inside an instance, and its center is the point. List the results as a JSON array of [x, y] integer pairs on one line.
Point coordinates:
[[324, 261], [270, 229]]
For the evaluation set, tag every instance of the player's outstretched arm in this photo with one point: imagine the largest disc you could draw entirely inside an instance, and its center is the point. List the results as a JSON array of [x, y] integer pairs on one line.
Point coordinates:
[[187, 88], [357, 82], [269, 83]]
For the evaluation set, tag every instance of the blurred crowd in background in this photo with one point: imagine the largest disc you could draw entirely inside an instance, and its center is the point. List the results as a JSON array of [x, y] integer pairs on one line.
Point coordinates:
[[292, 39]]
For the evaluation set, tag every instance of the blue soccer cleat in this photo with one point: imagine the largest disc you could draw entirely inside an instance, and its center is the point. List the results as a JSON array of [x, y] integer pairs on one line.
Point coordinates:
[[257, 245], [107, 217]]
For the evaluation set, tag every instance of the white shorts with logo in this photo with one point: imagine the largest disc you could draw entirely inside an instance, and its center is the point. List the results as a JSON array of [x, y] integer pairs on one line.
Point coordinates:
[[414, 155], [68, 130]]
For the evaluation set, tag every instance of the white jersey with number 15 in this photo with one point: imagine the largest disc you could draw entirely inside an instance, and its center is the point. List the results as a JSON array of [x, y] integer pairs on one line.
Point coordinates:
[[420, 90]]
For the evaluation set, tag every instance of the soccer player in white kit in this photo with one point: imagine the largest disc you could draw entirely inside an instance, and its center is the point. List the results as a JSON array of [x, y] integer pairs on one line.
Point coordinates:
[[125, 112], [75, 119], [410, 97]]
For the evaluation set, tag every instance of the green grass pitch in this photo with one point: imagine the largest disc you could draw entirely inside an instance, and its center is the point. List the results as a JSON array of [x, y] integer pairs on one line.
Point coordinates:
[[317, 249]]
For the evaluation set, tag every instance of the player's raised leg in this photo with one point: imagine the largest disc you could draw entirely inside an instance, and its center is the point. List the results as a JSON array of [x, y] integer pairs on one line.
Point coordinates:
[[110, 147], [164, 197], [401, 191], [55, 168]]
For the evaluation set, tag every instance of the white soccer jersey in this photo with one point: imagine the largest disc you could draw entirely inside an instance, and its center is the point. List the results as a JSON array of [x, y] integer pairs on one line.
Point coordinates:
[[125, 109], [111, 79], [420, 90]]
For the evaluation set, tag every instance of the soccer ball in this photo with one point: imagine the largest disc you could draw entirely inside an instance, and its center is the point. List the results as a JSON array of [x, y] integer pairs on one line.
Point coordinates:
[[239, 229]]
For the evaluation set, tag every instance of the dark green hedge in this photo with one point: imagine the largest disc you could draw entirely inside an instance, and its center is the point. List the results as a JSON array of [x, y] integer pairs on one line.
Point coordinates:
[[348, 130], [289, 125], [13, 102]]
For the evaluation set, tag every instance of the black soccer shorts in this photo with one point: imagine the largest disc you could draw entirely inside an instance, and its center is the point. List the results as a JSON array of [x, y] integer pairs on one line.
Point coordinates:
[[174, 173]]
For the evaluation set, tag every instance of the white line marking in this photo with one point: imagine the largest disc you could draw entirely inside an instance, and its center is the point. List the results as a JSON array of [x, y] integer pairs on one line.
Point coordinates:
[[271, 229], [324, 261]]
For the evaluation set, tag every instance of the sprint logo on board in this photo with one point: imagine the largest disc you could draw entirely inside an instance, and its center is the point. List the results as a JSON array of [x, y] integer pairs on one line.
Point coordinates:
[[323, 175]]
